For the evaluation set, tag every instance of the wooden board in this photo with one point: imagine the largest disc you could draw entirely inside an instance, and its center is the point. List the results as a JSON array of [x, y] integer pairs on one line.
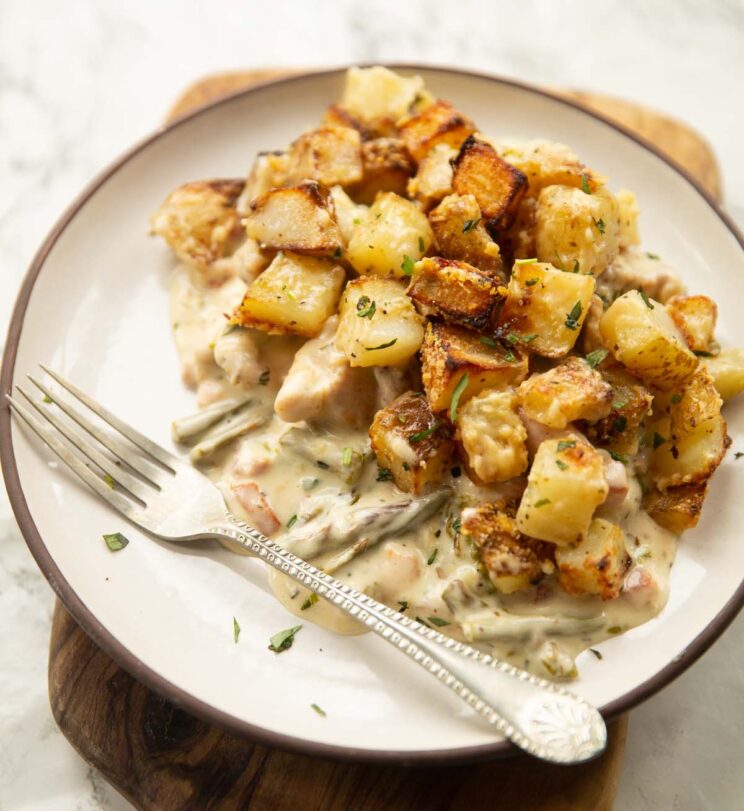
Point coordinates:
[[160, 757]]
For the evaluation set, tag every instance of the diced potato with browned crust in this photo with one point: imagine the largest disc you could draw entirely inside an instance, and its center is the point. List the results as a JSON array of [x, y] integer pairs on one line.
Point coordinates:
[[678, 508], [727, 371], [577, 232], [512, 561], [567, 392], [545, 308], [300, 218], [348, 213], [295, 294], [565, 485], [454, 291], [336, 116], [460, 233], [439, 123], [696, 318], [642, 336], [628, 211], [496, 185], [269, 171], [375, 93], [493, 436], [331, 156], [450, 352], [433, 179], [620, 431], [386, 166], [697, 439], [391, 238], [597, 564], [379, 325], [199, 220], [590, 339], [412, 443]]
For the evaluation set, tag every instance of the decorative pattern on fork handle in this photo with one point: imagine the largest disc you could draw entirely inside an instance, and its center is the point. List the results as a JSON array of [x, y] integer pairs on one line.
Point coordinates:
[[540, 717]]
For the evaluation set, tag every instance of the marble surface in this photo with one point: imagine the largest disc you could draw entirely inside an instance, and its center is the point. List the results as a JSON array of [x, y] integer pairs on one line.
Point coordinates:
[[80, 81]]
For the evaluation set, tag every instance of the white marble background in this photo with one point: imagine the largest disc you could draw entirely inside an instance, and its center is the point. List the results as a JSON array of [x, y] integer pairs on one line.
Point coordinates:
[[81, 80]]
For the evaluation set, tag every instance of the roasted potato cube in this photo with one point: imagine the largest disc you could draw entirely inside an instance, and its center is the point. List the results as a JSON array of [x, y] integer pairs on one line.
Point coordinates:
[[392, 237], [678, 508], [460, 233], [697, 439], [439, 123], [348, 213], [545, 308], [450, 352], [269, 171], [628, 211], [576, 231], [386, 166], [336, 116], [567, 392], [433, 179], [455, 291], [199, 220], [642, 336], [301, 219], [331, 156], [696, 318], [496, 185], [620, 431], [411, 443], [493, 436], [379, 325], [295, 294], [596, 564], [565, 485], [545, 163], [727, 371], [512, 561], [377, 93]]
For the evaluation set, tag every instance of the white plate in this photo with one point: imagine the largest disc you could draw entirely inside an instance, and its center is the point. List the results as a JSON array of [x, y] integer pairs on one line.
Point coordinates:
[[94, 307]]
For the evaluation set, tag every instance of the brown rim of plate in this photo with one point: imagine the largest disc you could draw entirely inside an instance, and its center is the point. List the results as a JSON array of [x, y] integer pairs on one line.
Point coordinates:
[[138, 669]]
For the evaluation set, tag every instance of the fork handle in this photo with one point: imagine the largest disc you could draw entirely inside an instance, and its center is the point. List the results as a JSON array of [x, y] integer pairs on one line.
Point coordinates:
[[542, 718]]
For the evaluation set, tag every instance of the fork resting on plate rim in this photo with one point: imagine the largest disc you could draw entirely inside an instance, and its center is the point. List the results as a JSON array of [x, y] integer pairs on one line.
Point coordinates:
[[172, 500]]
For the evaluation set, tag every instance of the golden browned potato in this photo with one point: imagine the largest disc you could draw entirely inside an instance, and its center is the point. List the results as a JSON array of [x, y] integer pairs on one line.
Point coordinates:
[[331, 156], [455, 291], [493, 436], [546, 163], [295, 294], [439, 123], [512, 561], [696, 318], [391, 238], [348, 213], [727, 371], [597, 564], [565, 485], [621, 430], [642, 336], [545, 308], [628, 211], [199, 220], [678, 508], [433, 179], [567, 392], [496, 185], [379, 325], [411, 442], [377, 96], [386, 166], [336, 116], [450, 353], [461, 234], [301, 219], [575, 231], [269, 171]]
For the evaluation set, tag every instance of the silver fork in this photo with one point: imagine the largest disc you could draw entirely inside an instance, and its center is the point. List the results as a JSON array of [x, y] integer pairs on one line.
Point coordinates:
[[172, 500]]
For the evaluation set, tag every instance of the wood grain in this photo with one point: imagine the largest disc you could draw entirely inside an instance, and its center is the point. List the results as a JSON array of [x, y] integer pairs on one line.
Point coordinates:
[[160, 757]]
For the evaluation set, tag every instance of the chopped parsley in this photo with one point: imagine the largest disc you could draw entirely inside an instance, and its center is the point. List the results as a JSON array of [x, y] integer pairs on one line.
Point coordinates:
[[422, 246], [47, 399], [542, 502], [652, 255], [615, 629], [283, 640], [658, 439], [561, 464], [407, 265], [422, 621], [565, 444], [618, 404], [348, 456], [470, 224], [676, 398], [236, 631], [321, 464], [310, 601], [646, 299], [596, 653], [618, 457], [488, 340], [509, 355], [384, 474], [457, 525], [309, 483], [585, 187], [403, 605], [381, 346], [116, 541], [264, 377], [596, 357], [530, 282], [462, 384], [576, 266], [321, 712], [432, 557], [600, 225], [365, 307], [438, 621], [529, 261], [572, 318], [109, 481], [738, 454], [292, 521], [425, 434]]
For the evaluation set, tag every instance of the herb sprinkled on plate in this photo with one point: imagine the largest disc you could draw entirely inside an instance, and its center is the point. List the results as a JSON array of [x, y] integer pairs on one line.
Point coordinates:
[[284, 639], [116, 541]]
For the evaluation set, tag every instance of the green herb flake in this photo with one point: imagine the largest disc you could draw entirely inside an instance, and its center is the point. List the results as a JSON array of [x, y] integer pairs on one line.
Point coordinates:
[[561, 464], [462, 384], [109, 481], [422, 245], [116, 541], [321, 464], [310, 601], [488, 340], [422, 621], [292, 521], [432, 557], [381, 346], [407, 265], [658, 440], [236, 631], [676, 398], [600, 225], [384, 474], [615, 629], [365, 307], [309, 483], [470, 224], [576, 266], [528, 339], [425, 434], [284, 639], [738, 454], [530, 282], [291, 296], [596, 357], [542, 502], [572, 319], [618, 457], [264, 377], [566, 444], [646, 299], [457, 525], [47, 399], [618, 404], [438, 621], [321, 712], [403, 606], [348, 456], [619, 424], [585, 187], [509, 356], [652, 255], [529, 261], [596, 653]]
